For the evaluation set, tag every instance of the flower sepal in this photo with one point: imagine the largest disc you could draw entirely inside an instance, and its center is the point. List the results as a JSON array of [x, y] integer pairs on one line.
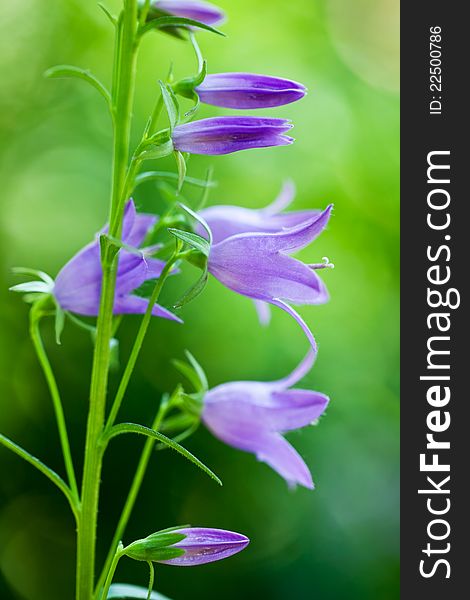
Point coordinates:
[[156, 547]]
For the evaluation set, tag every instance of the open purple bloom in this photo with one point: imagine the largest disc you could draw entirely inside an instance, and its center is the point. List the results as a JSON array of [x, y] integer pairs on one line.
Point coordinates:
[[203, 546], [258, 265], [248, 90], [77, 287], [252, 415], [223, 135], [204, 12]]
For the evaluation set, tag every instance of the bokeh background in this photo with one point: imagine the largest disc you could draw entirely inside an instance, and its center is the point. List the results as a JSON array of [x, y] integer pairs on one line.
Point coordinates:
[[338, 542]]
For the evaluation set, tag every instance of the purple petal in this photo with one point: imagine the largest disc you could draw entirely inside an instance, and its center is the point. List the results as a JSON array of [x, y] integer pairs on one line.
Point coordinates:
[[300, 321], [134, 270], [243, 265], [197, 10], [223, 135], [135, 305], [248, 90], [298, 373], [269, 447], [264, 312], [203, 546]]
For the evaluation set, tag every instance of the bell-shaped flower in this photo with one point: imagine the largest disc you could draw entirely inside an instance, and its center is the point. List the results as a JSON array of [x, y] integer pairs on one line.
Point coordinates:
[[258, 265], [77, 287], [204, 12], [187, 546], [252, 416], [248, 90], [223, 135]]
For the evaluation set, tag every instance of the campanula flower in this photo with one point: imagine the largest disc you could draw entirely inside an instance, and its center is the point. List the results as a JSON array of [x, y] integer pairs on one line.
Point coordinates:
[[77, 287], [204, 12], [223, 135], [258, 265], [252, 416], [248, 90], [187, 546]]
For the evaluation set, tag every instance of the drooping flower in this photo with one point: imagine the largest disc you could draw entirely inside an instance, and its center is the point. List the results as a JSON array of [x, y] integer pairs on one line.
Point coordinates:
[[204, 12], [252, 416], [223, 135], [258, 265], [248, 90], [187, 546], [77, 287]]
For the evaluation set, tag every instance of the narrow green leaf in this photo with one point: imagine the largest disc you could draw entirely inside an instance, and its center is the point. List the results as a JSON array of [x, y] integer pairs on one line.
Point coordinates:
[[106, 11], [194, 291], [124, 590], [198, 218], [164, 22], [33, 272], [140, 429], [192, 239], [171, 104], [199, 370], [40, 466], [69, 71], [59, 324], [32, 286], [188, 372], [181, 164], [169, 176]]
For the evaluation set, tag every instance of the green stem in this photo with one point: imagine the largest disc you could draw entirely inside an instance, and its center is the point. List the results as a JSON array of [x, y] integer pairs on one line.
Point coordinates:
[[35, 333], [151, 579], [45, 470], [123, 93], [133, 493], [138, 342], [112, 570]]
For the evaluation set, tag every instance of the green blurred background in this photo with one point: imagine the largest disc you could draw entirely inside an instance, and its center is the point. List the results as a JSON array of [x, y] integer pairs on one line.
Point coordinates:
[[338, 542]]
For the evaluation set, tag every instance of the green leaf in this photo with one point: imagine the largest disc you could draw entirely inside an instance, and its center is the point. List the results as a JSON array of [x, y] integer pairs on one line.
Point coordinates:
[[140, 429], [181, 164], [33, 272], [171, 105], [69, 71], [124, 590], [198, 218], [170, 176], [106, 11], [194, 291], [32, 286], [59, 323], [44, 469], [199, 370], [160, 150], [192, 239], [164, 22]]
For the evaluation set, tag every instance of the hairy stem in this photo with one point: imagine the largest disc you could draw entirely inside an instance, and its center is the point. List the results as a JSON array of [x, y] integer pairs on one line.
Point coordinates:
[[123, 93], [133, 493]]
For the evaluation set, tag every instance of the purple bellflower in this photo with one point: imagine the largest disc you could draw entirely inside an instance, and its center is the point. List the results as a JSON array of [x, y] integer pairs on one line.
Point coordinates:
[[204, 12], [248, 90], [258, 265], [187, 546], [223, 135], [203, 546], [77, 288], [252, 415]]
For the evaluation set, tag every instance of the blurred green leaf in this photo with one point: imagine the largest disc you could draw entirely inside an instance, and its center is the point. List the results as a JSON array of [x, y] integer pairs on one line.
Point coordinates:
[[125, 590], [70, 71]]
